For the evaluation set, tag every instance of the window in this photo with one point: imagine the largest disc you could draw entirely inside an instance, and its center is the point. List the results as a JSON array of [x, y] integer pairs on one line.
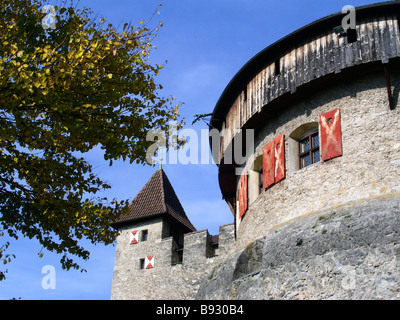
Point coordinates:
[[309, 150], [255, 179], [141, 264], [178, 256], [144, 235], [260, 181], [294, 149]]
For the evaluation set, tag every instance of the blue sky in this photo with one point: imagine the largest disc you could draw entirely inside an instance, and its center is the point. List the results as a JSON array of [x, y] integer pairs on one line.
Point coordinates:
[[205, 42]]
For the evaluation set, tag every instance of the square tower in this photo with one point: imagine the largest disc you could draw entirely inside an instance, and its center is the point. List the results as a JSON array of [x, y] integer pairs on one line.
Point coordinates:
[[151, 237]]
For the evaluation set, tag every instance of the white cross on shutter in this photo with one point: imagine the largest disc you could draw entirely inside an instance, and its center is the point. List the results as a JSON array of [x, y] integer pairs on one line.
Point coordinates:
[[149, 262], [134, 237]]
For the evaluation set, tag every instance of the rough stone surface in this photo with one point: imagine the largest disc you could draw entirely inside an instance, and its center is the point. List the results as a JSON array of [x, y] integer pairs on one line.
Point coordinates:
[[348, 252], [368, 167], [168, 280]]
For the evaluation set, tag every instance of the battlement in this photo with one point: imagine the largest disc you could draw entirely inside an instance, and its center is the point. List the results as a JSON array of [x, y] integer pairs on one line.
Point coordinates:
[[200, 245], [188, 249], [151, 252]]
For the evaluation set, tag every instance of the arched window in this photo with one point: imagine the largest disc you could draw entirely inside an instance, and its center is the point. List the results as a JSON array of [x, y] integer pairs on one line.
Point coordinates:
[[255, 179], [304, 145]]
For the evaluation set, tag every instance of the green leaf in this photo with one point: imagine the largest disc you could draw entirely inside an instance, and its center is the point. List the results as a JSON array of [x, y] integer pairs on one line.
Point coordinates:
[[69, 90]]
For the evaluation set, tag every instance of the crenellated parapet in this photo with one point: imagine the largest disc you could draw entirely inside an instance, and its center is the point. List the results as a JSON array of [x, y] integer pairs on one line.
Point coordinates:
[[142, 262]]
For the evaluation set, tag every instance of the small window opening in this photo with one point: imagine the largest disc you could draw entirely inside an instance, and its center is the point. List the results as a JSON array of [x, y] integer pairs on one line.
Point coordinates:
[[245, 94], [260, 181], [351, 35], [256, 179], [309, 150], [141, 264], [398, 22], [214, 251], [277, 67], [144, 235], [178, 257]]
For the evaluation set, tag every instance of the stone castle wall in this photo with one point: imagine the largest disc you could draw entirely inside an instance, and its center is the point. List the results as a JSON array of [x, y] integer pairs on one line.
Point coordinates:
[[169, 279], [369, 166], [348, 252]]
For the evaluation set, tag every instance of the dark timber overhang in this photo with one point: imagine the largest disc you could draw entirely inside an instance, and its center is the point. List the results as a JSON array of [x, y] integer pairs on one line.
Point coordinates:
[[311, 58], [271, 53]]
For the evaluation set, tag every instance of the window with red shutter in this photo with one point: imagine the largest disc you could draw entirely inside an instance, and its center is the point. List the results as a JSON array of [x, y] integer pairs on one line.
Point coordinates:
[[331, 135], [309, 152]]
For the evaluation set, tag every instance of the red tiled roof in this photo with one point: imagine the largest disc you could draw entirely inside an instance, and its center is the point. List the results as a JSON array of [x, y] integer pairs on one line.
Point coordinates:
[[157, 198]]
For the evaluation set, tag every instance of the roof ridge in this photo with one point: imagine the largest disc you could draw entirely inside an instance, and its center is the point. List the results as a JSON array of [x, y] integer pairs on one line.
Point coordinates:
[[169, 206], [157, 197], [163, 189]]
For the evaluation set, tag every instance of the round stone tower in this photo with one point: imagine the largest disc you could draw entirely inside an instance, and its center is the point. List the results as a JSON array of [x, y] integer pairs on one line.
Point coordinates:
[[316, 199]]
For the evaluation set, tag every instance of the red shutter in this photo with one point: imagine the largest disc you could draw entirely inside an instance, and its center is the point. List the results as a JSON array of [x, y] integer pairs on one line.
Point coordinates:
[[279, 158], [269, 165], [134, 236], [149, 262], [242, 195], [331, 135], [245, 192]]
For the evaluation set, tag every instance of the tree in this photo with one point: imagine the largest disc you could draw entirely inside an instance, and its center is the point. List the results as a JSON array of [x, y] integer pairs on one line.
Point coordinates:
[[65, 89]]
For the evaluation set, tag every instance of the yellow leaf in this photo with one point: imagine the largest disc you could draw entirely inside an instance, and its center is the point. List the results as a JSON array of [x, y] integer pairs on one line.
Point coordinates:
[[109, 76], [13, 49], [79, 54]]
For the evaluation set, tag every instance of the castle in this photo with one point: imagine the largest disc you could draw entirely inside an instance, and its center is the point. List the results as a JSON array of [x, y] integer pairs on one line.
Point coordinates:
[[316, 204], [160, 254]]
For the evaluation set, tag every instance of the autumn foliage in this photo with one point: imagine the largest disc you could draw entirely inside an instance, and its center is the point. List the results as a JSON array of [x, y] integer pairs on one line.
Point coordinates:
[[64, 91]]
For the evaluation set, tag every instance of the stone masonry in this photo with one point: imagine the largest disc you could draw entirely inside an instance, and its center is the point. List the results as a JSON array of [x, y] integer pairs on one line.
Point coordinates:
[[170, 278], [323, 228], [348, 252], [370, 165]]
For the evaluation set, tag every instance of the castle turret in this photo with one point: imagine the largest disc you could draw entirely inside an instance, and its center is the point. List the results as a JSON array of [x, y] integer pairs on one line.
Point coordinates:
[[160, 254], [157, 201]]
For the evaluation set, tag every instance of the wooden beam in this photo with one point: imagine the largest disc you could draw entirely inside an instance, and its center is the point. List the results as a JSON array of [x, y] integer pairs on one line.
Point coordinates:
[[388, 86]]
